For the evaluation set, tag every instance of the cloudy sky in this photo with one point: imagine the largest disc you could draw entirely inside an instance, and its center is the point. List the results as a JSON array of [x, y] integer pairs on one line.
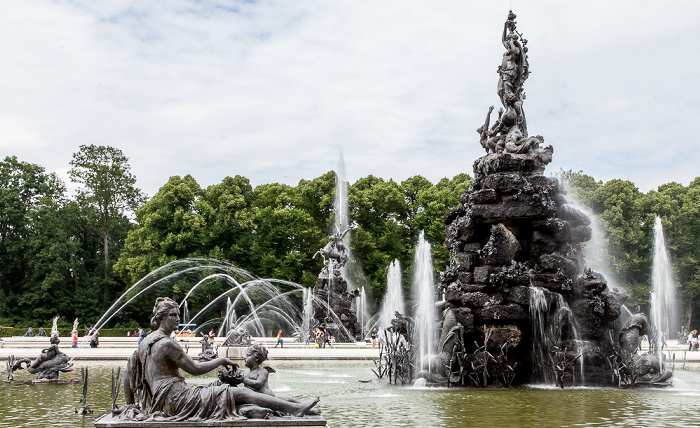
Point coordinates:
[[274, 90]]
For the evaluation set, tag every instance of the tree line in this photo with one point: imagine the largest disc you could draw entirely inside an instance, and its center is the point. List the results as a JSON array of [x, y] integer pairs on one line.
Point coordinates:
[[74, 255]]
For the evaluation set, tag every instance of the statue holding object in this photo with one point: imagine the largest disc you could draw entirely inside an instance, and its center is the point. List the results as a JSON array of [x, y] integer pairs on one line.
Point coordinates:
[[153, 373]]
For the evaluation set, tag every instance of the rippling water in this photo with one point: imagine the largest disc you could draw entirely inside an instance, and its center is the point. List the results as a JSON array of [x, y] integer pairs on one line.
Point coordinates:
[[346, 402]]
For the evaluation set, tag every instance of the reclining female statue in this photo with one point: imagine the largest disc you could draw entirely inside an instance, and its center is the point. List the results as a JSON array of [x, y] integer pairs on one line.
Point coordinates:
[[155, 367]]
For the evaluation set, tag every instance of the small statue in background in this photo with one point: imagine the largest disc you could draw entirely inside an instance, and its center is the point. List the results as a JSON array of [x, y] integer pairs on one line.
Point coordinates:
[[48, 364]]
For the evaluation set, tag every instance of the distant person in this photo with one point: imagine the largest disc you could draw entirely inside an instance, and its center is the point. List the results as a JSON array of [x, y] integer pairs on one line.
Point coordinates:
[[332, 341], [142, 335], [74, 338], [373, 335], [95, 339], [319, 338], [326, 337], [308, 338], [212, 336], [279, 340], [663, 340]]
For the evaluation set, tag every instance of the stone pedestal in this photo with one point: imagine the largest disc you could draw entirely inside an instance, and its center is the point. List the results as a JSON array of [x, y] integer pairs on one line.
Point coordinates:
[[107, 421]]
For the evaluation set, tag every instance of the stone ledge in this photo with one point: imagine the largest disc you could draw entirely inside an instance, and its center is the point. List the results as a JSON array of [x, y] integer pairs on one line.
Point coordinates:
[[107, 421]]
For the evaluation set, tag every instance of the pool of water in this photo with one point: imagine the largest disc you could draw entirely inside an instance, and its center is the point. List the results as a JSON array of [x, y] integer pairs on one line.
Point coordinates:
[[346, 402]]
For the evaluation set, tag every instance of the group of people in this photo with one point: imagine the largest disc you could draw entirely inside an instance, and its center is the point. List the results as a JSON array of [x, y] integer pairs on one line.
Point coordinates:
[[320, 337]]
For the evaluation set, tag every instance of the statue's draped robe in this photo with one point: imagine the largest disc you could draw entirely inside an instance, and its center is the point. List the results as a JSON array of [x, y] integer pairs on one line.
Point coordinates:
[[172, 399]]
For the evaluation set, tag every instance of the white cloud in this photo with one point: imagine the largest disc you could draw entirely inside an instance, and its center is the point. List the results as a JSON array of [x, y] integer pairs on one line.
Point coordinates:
[[272, 90]]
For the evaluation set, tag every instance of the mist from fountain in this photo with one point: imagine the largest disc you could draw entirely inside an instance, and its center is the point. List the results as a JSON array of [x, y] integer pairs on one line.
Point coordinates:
[[393, 299], [663, 299], [361, 308], [308, 298], [424, 294], [229, 319], [341, 220], [596, 255], [185, 313]]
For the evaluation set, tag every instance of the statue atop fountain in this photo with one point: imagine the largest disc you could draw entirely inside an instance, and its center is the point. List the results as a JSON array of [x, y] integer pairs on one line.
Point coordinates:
[[332, 302], [153, 375], [519, 306]]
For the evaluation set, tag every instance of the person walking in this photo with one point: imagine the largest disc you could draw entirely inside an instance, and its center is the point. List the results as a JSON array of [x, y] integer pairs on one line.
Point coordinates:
[[279, 339], [308, 338], [95, 340], [74, 337], [326, 337], [373, 335]]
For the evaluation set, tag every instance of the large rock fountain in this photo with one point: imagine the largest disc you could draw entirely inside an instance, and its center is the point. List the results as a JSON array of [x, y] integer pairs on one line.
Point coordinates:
[[332, 303], [519, 305]]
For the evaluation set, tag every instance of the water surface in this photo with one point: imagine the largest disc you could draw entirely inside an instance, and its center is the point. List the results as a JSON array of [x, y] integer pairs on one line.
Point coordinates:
[[347, 402]]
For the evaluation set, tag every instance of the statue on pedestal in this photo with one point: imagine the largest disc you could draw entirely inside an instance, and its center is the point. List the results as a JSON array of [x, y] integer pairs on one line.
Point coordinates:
[[48, 364], [153, 374]]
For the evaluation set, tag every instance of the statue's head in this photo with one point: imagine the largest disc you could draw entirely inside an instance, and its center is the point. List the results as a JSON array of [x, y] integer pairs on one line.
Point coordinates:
[[55, 340], [257, 351], [160, 309]]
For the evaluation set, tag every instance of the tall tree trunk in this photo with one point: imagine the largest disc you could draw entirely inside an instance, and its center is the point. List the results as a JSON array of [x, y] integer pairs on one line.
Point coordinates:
[[688, 314], [105, 233]]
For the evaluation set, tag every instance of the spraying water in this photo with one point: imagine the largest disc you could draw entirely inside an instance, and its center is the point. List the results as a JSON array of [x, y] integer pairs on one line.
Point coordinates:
[[539, 312], [424, 292], [360, 307], [663, 299], [254, 302], [393, 299]]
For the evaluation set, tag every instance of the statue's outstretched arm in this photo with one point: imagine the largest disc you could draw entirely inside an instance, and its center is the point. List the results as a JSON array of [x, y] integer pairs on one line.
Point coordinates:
[[186, 363]]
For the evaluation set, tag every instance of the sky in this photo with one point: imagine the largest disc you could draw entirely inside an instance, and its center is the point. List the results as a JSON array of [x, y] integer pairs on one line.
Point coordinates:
[[275, 90]]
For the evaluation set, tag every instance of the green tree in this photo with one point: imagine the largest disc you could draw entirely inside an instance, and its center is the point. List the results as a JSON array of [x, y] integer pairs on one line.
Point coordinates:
[[170, 227], [227, 210], [286, 235], [380, 211], [26, 193], [109, 186], [427, 208]]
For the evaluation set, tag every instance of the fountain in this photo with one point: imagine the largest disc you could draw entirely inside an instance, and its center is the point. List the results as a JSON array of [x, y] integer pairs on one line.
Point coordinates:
[[393, 299], [338, 314], [663, 299], [332, 304], [519, 306], [248, 302], [424, 293]]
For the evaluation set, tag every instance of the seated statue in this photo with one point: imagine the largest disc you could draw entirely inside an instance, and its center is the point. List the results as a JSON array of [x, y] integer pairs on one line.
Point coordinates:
[[154, 373], [237, 337], [48, 364], [208, 350]]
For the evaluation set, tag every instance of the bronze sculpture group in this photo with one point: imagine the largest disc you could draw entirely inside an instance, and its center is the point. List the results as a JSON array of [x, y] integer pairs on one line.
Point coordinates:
[[153, 375]]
